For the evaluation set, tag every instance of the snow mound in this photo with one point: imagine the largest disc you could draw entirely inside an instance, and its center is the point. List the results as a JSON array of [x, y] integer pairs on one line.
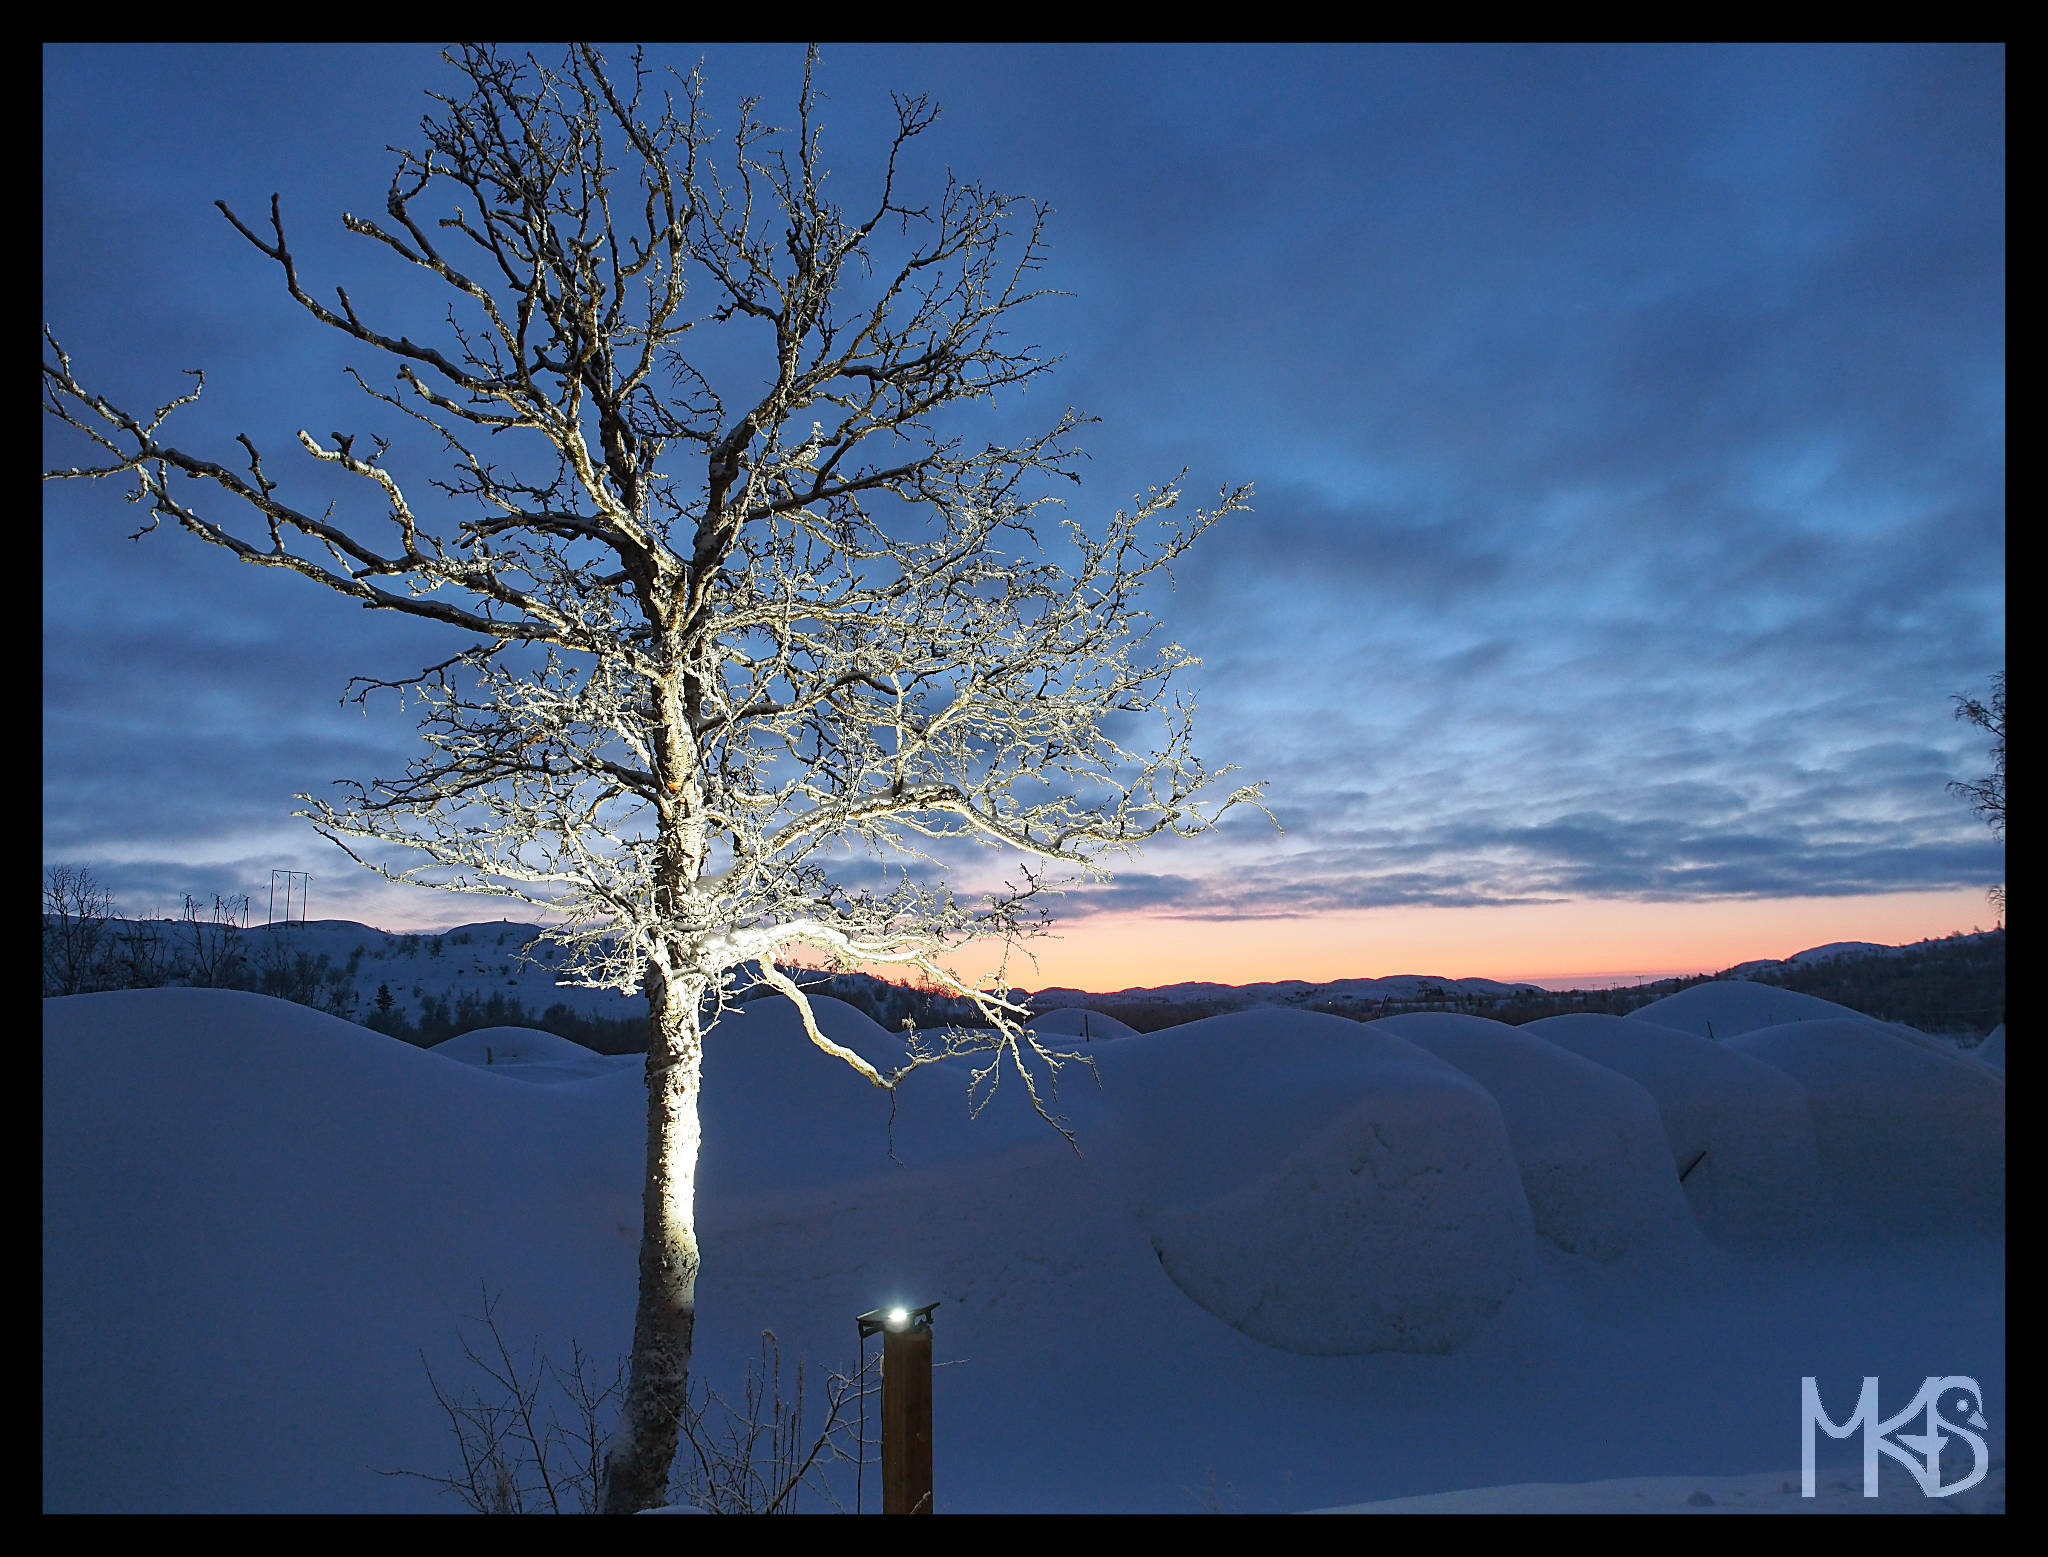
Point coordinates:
[[1740, 1130], [767, 1088], [258, 1221], [1080, 1022], [527, 1054], [1992, 1050], [1726, 1007], [1319, 1186], [1908, 1140], [295, 1206], [1595, 1162]]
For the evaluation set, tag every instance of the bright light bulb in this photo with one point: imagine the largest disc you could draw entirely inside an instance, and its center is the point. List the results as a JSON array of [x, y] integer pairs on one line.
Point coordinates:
[[898, 1315]]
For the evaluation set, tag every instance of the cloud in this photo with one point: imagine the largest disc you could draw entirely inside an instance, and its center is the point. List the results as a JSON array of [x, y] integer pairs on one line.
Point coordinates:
[[1628, 428]]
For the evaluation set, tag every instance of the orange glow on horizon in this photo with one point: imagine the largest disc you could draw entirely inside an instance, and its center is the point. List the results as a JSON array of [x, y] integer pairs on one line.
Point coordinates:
[[1585, 941]]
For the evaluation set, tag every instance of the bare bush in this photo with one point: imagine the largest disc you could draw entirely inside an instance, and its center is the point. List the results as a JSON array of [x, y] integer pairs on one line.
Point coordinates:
[[529, 1436], [756, 1455], [518, 1454], [78, 931], [214, 956], [143, 957]]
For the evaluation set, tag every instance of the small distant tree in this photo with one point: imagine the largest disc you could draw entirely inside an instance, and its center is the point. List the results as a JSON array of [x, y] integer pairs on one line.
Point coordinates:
[[78, 931], [286, 969], [143, 955], [1987, 794], [755, 633], [215, 957]]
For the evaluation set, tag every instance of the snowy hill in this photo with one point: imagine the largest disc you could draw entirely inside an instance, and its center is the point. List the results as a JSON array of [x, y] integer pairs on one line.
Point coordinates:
[[1295, 1264], [1849, 951], [348, 964]]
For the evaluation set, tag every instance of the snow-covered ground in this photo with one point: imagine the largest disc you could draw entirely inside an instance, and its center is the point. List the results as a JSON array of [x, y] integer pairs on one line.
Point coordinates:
[[1299, 1263], [1768, 1493]]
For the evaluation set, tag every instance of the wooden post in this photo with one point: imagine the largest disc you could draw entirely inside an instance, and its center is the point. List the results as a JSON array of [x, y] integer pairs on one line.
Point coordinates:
[[906, 1405], [907, 1420]]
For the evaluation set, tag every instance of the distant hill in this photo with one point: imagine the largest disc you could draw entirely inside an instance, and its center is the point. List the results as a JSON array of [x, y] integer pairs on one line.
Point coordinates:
[[420, 986], [1952, 985], [1955, 984], [427, 987], [1169, 1005], [1287, 992]]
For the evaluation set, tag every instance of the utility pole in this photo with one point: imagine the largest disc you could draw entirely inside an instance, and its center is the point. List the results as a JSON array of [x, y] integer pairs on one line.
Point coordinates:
[[304, 882]]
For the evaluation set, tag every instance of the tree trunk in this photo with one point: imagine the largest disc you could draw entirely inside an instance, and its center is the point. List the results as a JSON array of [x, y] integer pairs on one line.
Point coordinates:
[[643, 1445]]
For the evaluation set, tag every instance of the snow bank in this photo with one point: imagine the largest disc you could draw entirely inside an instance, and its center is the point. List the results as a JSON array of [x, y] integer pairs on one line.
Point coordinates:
[[1773, 1492], [1992, 1050], [780, 1113], [255, 1215], [1081, 1022], [255, 1218], [1726, 1007], [1595, 1162], [1908, 1139], [529, 1054], [1320, 1186], [1740, 1130]]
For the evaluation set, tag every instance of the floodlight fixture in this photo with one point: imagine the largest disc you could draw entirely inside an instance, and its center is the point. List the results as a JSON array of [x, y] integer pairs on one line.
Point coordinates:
[[896, 1319]]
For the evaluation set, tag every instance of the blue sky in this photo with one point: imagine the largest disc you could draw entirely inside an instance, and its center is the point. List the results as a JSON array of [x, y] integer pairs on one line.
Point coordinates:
[[1628, 428]]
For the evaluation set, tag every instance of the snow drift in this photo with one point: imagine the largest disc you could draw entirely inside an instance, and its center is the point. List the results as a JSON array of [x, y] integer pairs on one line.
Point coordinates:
[[1590, 1145], [1740, 1131], [1724, 1008], [1907, 1139], [247, 1207], [256, 1221], [1322, 1187], [529, 1054], [1081, 1022], [1991, 1051]]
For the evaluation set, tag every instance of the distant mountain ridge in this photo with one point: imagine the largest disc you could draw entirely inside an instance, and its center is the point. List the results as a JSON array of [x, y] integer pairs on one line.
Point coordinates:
[[425, 986], [1286, 992], [1422, 986]]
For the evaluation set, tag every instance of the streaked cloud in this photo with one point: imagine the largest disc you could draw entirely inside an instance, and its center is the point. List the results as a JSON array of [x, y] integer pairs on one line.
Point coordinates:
[[1628, 426]]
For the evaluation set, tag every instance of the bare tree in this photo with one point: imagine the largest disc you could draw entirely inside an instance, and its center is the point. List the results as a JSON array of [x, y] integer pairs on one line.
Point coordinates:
[[78, 931], [286, 969], [1987, 794], [758, 647], [213, 952], [143, 955]]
